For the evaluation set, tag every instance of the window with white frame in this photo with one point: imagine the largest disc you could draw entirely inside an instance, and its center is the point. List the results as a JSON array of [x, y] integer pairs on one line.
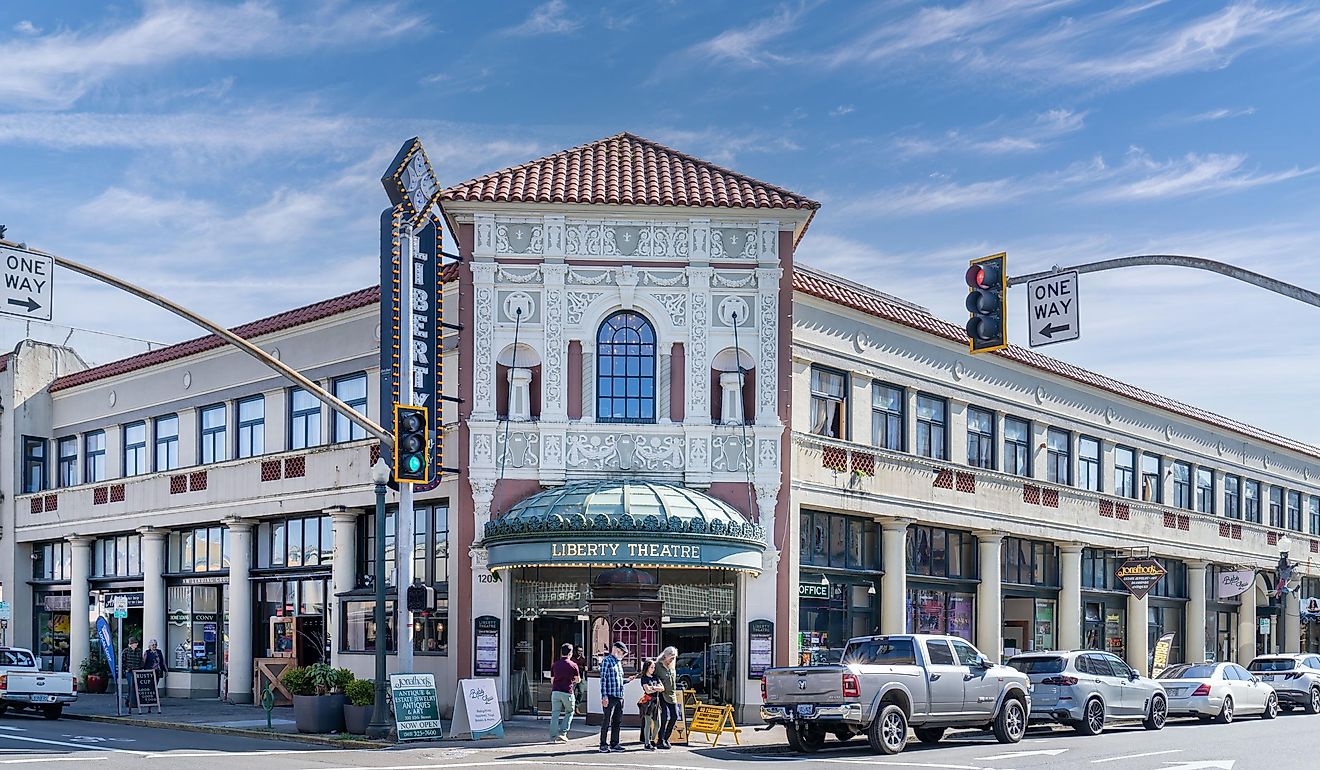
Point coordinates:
[[1088, 463], [304, 419], [1058, 456], [887, 416], [828, 412], [625, 369], [135, 449], [932, 427], [980, 438], [1017, 446]]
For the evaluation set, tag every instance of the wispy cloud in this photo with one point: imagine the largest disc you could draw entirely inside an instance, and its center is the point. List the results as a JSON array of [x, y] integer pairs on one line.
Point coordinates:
[[26, 27], [841, 110], [549, 18], [1142, 178], [1213, 115], [745, 45], [56, 70], [997, 138]]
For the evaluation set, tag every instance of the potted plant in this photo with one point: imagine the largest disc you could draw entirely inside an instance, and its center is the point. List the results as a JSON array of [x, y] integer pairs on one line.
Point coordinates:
[[361, 695], [96, 671], [318, 698]]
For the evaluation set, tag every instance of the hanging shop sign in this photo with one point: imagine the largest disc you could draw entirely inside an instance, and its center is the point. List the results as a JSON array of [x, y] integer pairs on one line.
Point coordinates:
[[1140, 575], [760, 647], [486, 646], [1235, 583]]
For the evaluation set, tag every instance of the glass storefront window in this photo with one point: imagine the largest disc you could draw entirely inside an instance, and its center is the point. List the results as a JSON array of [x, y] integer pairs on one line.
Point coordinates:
[[935, 611], [359, 627], [936, 552], [1104, 626], [193, 628], [51, 615], [1163, 620], [835, 540]]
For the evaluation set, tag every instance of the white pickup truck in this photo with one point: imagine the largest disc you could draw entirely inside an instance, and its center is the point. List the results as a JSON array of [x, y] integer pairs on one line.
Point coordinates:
[[25, 686]]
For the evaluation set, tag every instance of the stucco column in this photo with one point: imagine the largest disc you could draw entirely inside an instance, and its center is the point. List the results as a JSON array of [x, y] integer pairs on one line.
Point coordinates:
[[893, 601], [153, 586], [240, 610], [80, 627], [1138, 633], [956, 440], [989, 603], [1194, 649], [343, 567], [1247, 625], [1068, 622]]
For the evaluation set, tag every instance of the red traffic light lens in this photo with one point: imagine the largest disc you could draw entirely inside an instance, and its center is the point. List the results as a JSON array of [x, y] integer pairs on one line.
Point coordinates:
[[984, 275], [975, 277]]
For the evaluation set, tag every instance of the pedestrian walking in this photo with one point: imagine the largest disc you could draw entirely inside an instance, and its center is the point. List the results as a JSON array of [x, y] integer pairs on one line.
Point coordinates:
[[564, 676], [130, 660], [580, 689], [154, 659], [611, 697], [649, 705], [664, 671]]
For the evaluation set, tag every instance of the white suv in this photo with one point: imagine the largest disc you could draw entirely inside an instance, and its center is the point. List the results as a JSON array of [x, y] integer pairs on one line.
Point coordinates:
[[1295, 679]]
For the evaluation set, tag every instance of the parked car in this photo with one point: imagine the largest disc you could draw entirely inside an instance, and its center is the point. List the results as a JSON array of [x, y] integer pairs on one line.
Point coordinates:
[[25, 686], [1218, 691], [1087, 689], [886, 684], [1295, 679]]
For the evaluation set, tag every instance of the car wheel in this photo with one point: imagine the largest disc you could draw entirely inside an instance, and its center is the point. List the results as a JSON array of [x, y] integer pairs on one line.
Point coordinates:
[[794, 738], [52, 712], [888, 731], [1226, 712], [1271, 707], [1313, 705], [1093, 718], [929, 735], [1159, 713], [1011, 721]]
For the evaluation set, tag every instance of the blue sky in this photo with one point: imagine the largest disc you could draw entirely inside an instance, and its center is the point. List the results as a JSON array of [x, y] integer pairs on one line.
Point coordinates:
[[228, 154]]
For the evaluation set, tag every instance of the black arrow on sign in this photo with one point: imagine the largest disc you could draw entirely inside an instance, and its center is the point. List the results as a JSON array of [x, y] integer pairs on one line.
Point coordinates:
[[1047, 331], [29, 303]]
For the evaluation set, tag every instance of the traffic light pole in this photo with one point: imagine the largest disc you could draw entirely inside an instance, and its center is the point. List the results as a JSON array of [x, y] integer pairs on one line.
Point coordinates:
[[1173, 260], [403, 520]]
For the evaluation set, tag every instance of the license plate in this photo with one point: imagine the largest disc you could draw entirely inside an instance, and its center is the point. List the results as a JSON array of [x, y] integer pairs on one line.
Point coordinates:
[[806, 710], [1268, 677]]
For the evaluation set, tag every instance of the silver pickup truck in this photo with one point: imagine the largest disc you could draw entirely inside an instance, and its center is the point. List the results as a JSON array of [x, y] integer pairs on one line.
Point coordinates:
[[886, 683]]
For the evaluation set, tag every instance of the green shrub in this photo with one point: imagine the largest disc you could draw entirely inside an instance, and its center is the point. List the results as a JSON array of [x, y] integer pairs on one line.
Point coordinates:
[[298, 681], [95, 663], [361, 692], [342, 679]]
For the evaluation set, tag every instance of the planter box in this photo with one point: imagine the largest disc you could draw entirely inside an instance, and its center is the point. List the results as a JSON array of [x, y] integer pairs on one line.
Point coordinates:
[[97, 683], [356, 718], [319, 713]]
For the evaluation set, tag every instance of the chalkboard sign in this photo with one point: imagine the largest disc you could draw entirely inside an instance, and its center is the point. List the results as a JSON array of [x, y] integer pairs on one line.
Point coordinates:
[[146, 695]]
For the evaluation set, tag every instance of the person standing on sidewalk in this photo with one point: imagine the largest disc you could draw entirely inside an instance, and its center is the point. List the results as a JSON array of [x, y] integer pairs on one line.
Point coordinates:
[[664, 671], [649, 705], [580, 689], [611, 697], [564, 676], [154, 659], [130, 661]]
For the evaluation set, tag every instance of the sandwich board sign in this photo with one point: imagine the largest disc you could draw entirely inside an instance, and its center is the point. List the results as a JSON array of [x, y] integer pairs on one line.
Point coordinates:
[[416, 707], [477, 711], [1052, 309]]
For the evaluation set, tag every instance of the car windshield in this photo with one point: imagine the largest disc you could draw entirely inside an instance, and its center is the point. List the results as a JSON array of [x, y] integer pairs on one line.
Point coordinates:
[[884, 652], [1272, 664], [1188, 672], [21, 658], [1034, 665]]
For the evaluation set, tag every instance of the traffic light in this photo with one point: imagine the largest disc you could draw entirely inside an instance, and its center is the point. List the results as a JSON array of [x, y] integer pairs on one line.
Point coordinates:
[[412, 462], [987, 287]]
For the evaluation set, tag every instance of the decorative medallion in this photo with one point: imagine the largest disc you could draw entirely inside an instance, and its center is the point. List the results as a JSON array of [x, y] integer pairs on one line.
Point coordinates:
[[1040, 394], [1111, 414], [113, 398], [187, 380], [959, 370], [519, 304], [733, 311]]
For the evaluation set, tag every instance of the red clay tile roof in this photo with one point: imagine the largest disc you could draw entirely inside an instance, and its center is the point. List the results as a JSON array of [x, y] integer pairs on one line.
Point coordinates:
[[843, 292], [629, 170]]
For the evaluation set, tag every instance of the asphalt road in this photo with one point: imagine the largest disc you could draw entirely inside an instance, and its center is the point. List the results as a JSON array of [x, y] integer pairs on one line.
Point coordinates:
[[1249, 744]]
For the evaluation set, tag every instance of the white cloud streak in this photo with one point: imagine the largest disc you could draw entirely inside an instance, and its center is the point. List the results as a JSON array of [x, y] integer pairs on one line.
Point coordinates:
[[57, 69], [549, 18], [997, 138]]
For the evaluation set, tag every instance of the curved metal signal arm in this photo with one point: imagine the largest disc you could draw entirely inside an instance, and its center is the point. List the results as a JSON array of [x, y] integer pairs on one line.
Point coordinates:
[[1174, 260], [242, 344]]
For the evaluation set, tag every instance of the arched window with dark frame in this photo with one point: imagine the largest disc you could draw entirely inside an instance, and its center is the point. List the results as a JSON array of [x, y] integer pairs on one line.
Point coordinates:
[[625, 369]]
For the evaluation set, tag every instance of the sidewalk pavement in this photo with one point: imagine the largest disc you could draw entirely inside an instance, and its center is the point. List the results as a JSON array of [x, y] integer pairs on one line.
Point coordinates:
[[214, 716]]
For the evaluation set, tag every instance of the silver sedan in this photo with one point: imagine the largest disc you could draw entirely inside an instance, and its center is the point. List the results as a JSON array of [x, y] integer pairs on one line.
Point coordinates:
[[1217, 691]]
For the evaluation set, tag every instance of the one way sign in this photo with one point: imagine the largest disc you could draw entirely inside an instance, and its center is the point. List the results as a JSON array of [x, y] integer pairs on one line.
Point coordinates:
[[1052, 309], [27, 290]]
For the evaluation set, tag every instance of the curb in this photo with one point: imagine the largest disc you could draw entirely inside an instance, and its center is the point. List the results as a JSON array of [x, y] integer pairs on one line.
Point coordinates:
[[343, 743]]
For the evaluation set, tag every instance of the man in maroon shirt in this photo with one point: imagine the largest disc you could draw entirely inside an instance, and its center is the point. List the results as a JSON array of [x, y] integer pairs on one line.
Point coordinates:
[[564, 673]]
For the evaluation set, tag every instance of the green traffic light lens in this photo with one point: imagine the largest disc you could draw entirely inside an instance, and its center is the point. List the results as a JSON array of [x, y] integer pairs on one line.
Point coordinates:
[[414, 464]]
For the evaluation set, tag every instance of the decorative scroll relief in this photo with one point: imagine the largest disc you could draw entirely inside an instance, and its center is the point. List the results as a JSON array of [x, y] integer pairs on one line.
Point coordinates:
[[732, 280], [624, 452], [519, 238], [733, 243], [554, 346], [730, 454], [520, 449], [505, 275], [483, 375], [590, 277], [767, 454], [675, 304], [578, 302], [483, 453], [664, 278], [610, 239], [698, 361], [552, 451], [768, 324]]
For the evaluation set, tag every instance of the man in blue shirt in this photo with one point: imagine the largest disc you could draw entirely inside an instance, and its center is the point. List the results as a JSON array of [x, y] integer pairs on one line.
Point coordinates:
[[611, 696]]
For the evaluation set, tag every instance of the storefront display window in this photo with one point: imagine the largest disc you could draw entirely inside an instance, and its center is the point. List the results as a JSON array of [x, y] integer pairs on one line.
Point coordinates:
[[1166, 620], [1104, 625], [359, 627], [934, 611], [829, 615], [941, 553], [51, 616], [193, 634], [835, 540]]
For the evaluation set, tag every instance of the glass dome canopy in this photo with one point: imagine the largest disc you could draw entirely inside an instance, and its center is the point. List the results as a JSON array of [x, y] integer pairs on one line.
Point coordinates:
[[583, 519]]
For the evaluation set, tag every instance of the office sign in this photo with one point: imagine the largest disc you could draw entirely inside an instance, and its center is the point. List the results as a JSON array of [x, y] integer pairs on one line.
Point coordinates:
[[813, 590], [1140, 575], [1052, 309], [416, 707], [28, 288]]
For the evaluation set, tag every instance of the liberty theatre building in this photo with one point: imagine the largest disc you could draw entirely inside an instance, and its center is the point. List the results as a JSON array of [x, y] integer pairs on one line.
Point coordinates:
[[667, 431]]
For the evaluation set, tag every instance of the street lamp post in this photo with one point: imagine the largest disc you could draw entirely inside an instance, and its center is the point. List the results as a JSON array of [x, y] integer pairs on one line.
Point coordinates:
[[380, 726], [1286, 569]]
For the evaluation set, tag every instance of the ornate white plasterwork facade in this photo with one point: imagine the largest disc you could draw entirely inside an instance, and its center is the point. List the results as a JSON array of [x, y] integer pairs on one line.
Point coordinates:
[[709, 286]]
